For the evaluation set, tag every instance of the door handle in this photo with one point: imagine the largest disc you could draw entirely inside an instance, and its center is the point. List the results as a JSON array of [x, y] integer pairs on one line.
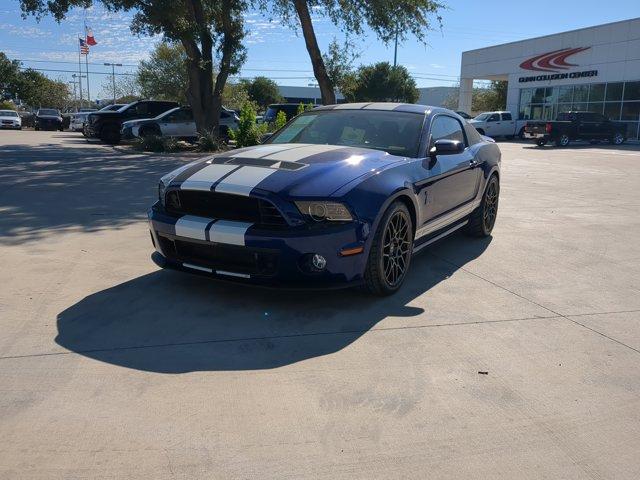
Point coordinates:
[[473, 163]]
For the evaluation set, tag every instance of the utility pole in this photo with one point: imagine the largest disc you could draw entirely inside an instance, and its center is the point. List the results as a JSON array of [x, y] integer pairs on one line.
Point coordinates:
[[79, 82], [395, 50], [113, 77]]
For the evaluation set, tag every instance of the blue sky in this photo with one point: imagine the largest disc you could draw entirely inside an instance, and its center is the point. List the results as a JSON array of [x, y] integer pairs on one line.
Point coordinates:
[[278, 52]]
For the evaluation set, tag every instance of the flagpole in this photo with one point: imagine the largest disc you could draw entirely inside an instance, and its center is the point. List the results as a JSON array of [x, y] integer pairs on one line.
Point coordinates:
[[79, 72], [86, 58]]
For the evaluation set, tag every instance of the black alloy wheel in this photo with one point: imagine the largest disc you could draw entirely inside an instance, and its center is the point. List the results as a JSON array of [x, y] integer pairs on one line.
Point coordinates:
[[563, 140], [490, 209], [391, 251]]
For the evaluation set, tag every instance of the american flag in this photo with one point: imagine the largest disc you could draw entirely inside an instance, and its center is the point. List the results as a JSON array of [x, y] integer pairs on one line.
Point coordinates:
[[84, 48]]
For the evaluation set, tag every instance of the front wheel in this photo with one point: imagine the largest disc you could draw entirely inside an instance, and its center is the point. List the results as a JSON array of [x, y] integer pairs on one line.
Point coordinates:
[[391, 250], [541, 142], [483, 218]]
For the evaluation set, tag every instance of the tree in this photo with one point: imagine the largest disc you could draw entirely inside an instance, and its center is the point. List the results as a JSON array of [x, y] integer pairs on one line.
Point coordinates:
[[36, 90], [263, 91], [387, 19], [491, 98], [164, 75], [235, 95], [201, 26], [339, 61], [127, 88], [383, 83], [9, 73]]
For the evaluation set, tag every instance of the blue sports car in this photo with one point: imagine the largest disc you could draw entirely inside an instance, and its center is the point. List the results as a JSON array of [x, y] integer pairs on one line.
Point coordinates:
[[342, 195]]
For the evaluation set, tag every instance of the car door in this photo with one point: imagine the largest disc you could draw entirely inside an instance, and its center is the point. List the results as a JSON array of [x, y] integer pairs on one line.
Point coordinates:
[[508, 124], [451, 180], [492, 125], [169, 124]]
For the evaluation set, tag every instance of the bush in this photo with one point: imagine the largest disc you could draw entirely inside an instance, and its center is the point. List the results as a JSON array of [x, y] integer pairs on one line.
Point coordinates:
[[249, 132], [156, 144], [281, 120], [303, 108], [209, 142], [7, 105]]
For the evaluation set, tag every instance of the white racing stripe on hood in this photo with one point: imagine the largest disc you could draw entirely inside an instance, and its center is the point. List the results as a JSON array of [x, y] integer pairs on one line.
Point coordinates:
[[205, 178], [225, 231], [244, 180], [297, 154], [263, 151], [191, 226]]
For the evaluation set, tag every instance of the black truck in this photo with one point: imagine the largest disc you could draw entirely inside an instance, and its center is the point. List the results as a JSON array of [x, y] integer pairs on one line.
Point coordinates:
[[571, 126], [105, 124]]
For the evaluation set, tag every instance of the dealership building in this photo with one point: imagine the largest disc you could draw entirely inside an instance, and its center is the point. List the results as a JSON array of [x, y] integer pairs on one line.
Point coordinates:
[[594, 69]]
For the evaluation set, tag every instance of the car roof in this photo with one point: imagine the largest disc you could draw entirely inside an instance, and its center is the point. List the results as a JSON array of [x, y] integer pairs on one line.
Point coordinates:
[[388, 106]]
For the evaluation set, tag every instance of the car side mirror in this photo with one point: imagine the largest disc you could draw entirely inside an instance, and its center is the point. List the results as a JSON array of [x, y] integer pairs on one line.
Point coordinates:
[[445, 146], [265, 137]]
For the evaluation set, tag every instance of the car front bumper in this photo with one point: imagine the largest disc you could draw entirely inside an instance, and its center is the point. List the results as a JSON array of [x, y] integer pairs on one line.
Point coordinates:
[[234, 251], [10, 126]]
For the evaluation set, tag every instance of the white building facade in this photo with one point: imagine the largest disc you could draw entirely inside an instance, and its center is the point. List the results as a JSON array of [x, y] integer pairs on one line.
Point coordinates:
[[591, 69]]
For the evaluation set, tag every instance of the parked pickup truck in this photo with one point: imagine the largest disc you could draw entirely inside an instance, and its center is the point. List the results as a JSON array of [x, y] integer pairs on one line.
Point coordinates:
[[495, 124], [571, 126], [106, 125]]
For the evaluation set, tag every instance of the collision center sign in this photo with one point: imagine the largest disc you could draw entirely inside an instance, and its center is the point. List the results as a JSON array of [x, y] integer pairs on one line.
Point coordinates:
[[554, 63]]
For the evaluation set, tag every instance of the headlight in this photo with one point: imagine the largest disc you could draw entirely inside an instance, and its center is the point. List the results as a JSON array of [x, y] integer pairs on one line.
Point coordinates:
[[161, 189], [319, 211]]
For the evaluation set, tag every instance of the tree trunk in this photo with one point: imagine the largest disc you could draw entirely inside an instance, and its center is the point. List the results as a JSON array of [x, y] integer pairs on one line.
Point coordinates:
[[200, 69], [319, 70], [229, 45]]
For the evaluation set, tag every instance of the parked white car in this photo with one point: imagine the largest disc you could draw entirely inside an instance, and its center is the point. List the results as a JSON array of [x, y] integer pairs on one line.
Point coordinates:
[[10, 119], [495, 124], [77, 121], [177, 122]]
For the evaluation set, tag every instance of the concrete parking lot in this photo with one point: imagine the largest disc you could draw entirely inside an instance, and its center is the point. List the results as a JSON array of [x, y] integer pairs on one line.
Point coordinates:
[[512, 358]]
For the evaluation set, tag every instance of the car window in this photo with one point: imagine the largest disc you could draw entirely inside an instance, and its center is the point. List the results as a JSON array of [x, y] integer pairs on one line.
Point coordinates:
[[482, 117], [446, 127], [473, 136], [181, 115], [506, 116], [397, 133], [47, 111], [495, 117]]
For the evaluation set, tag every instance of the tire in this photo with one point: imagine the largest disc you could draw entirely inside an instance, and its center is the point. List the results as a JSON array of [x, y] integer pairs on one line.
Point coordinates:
[[541, 142], [521, 134], [617, 138], [390, 253], [110, 134], [562, 141], [483, 219], [37, 129]]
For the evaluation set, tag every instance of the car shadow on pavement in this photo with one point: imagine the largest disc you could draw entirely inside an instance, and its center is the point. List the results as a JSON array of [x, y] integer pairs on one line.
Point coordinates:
[[172, 322]]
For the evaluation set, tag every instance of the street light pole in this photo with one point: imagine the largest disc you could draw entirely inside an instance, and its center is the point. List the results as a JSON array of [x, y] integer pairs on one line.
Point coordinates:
[[395, 50], [113, 77]]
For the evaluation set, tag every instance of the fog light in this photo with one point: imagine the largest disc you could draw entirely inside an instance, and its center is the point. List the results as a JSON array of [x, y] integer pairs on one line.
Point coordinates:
[[318, 261]]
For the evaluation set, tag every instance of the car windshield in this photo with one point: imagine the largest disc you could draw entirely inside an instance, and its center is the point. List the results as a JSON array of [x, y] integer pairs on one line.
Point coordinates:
[[482, 117], [8, 113], [48, 111], [397, 133]]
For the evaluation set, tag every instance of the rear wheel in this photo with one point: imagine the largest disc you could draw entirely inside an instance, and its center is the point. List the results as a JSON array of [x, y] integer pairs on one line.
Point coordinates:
[[391, 250], [541, 142], [483, 218], [563, 140], [617, 138]]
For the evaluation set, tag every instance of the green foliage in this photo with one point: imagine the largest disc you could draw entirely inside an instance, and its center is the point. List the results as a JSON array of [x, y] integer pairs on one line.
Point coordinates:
[[281, 120], [303, 108], [235, 95], [209, 142], [156, 144], [164, 75], [263, 91], [487, 99], [249, 132], [7, 105], [31, 86], [383, 83], [339, 61]]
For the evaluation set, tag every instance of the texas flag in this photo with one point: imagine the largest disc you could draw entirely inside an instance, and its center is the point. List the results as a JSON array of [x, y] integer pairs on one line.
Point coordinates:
[[90, 40]]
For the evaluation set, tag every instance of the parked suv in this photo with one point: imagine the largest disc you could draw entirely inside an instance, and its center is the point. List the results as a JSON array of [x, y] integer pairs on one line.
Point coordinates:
[[106, 125]]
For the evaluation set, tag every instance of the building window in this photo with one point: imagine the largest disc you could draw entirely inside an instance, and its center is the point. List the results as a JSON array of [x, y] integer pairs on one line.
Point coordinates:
[[614, 91]]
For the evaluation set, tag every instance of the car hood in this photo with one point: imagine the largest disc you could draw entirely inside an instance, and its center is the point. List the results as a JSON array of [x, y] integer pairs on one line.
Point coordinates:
[[289, 170]]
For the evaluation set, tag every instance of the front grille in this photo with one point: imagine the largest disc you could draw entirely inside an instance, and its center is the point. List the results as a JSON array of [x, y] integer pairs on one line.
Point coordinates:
[[224, 206], [218, 256]]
